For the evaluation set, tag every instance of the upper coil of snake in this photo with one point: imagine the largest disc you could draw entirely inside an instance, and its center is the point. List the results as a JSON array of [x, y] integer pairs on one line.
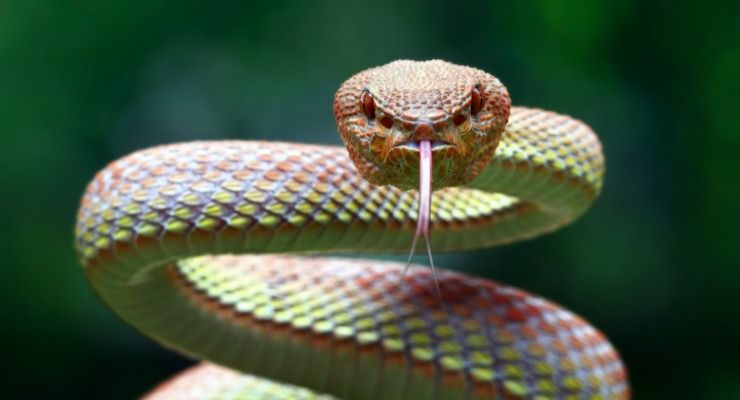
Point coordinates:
[[349, 328]]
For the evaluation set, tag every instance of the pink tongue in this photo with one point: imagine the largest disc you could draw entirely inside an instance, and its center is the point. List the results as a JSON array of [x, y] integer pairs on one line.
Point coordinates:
[[425, 202]]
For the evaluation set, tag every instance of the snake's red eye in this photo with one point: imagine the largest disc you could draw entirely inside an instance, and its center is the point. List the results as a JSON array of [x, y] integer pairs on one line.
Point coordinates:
[[476, 101], [367, 104]]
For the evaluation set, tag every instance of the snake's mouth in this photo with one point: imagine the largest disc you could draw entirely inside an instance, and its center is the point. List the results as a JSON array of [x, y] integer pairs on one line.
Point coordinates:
[[414, 145], [401, 162]]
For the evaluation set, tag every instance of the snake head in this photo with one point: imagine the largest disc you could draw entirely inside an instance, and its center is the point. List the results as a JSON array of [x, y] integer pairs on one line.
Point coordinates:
[[384, 113]]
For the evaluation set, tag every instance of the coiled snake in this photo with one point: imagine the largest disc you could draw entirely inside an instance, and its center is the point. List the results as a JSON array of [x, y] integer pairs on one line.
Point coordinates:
[[156, 229]]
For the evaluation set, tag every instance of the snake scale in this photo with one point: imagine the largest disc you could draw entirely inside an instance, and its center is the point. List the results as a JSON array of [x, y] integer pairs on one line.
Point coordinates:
[[158, 232]]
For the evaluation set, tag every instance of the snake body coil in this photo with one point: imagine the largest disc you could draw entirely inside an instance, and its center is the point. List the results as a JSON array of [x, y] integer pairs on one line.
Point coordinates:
[[156, 230]]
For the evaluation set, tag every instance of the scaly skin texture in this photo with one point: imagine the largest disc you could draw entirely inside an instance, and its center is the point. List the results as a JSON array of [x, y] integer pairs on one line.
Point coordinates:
[[155, 230]]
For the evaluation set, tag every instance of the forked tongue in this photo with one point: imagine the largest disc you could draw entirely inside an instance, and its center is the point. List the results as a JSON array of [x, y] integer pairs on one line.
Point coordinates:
[[425, 202]]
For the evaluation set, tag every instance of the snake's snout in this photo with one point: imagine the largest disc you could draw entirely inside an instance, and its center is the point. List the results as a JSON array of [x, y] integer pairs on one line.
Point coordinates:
[[424, 132]]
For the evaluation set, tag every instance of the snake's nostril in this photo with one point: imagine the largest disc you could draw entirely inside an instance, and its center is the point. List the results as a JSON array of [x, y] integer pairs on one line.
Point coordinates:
[[458, 119], [386, 122]]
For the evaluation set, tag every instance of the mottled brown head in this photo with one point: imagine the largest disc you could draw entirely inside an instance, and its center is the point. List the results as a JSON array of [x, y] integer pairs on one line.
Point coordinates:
[[383, 113]]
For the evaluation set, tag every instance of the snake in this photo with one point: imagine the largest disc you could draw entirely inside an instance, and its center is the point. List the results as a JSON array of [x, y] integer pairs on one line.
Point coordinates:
[[235, 252]]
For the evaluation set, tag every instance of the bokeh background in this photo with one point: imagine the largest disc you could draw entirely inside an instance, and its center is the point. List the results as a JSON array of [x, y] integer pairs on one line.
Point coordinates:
[[654, 263]]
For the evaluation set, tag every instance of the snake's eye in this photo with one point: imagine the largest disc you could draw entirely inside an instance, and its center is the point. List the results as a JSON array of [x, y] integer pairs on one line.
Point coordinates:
[[476, 101], [367, 104]]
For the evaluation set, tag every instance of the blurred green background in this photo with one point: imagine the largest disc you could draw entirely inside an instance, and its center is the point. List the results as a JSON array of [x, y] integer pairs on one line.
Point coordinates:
[[654, 263]]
